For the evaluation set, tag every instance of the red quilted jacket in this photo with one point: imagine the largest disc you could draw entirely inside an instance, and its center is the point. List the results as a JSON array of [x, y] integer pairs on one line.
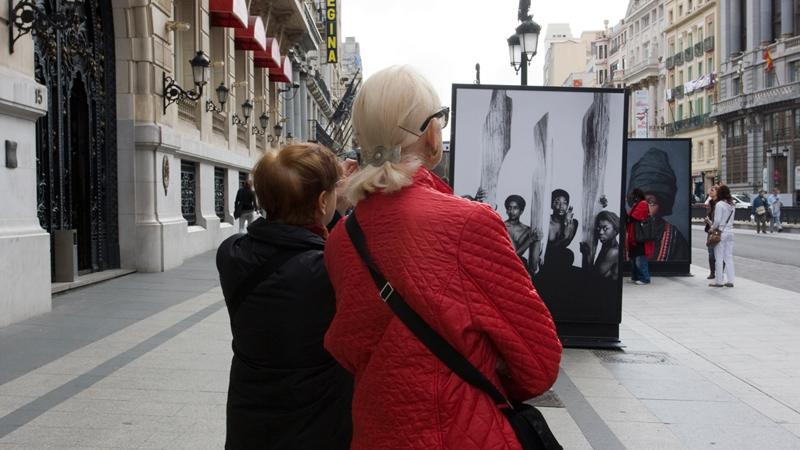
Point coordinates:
[[453, 262]]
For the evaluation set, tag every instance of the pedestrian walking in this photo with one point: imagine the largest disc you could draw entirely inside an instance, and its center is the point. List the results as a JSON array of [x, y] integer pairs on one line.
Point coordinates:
[[709, 220], [723, 251], [761, 211], [453, 262], [775, 205], [285, 389], [245, 206], [638, 252]]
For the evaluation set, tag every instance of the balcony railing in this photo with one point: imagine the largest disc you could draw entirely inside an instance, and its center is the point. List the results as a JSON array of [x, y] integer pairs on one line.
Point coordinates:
[[692, 123], [670, 63], [708, 44], [678, 58], [698, 50], [688, 55]]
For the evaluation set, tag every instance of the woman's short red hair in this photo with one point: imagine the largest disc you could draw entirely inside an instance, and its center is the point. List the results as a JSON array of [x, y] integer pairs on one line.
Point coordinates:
[[288, 182]]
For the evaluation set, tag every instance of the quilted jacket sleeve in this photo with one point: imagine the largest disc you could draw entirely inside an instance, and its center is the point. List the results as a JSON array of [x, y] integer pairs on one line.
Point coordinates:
[[507, 308]]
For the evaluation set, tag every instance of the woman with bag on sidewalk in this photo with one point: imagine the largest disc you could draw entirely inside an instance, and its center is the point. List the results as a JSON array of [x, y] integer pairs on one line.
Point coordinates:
[[709, 220], [722, 234], [446, 259], [285, 390], [638, 252]]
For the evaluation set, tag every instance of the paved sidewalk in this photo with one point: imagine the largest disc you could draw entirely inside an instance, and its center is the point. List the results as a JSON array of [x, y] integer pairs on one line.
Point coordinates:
[[142, 362]]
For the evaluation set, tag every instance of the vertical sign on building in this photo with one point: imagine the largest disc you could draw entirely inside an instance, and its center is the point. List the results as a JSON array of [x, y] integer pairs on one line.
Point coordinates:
[[330, 13], [640, 106]]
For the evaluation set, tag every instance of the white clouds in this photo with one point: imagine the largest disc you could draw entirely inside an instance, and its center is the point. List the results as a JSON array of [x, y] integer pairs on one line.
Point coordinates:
[[444, 39]]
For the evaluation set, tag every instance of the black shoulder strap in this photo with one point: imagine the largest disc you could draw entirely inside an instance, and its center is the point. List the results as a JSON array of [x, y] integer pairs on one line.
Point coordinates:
[[432, 340], [258, 276]]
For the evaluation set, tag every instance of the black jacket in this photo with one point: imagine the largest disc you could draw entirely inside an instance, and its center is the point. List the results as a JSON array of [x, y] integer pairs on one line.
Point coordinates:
[[285, 391], [245, 200]]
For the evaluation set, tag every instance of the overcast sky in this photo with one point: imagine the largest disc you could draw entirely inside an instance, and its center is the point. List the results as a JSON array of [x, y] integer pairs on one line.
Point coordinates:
[[443, 39]]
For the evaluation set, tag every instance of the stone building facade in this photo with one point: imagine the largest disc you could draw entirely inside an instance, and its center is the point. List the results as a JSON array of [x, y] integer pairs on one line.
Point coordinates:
[[758, 109], [103, 165], [644, 47], [692, 65]]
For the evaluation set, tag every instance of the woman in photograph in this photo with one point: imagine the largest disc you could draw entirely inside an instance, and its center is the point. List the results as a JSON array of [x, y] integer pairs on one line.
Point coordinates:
[[606, 265], [654, 175], [723, 251], [638, 252], [453, 262], [285, 389]]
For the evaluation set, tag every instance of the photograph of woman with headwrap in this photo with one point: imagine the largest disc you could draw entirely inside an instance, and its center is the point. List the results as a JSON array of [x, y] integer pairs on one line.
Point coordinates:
[[653, 173]]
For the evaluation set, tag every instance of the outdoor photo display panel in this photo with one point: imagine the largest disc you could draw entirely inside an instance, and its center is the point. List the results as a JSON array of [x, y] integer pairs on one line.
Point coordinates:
[[661, 168], [550, 162]]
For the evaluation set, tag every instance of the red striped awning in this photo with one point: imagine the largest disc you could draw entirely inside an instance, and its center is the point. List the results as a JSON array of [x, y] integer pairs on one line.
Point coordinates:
[[271, 57], [282, 74], [228, 13], [254, 37]]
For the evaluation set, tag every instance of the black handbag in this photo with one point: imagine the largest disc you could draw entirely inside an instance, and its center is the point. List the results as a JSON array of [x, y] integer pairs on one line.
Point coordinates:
[[528, 422], [645, 230]]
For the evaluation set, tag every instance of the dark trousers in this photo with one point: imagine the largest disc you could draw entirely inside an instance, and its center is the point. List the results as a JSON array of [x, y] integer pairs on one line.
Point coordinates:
[[761, 223], [641, 270]]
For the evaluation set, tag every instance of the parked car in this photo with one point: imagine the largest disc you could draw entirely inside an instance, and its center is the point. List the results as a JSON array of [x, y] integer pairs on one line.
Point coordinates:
[[742, 200]]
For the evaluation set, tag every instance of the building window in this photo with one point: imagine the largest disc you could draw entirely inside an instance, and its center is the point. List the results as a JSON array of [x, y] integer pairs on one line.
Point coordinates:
[[737, 153], [769, 79], [735, 86], [188, 191], [219, 192], [689, 73], [709, 103], [794, 71], [680, 112], [776, 19], [700, 151], [698, 108], [700, 68], [185, 47]]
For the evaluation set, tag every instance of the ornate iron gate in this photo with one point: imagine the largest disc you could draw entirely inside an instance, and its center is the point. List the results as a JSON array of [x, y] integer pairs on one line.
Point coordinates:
[[76, 141]]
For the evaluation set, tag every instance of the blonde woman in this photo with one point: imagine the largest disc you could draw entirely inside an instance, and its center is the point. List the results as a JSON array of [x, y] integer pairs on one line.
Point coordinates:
[[453, 262]]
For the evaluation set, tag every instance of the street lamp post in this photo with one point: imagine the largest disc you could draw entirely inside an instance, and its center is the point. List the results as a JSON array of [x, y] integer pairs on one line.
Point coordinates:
[[522, 46]]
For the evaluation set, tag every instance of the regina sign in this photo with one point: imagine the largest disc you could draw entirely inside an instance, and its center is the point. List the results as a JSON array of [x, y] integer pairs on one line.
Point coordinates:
[[330, 14]]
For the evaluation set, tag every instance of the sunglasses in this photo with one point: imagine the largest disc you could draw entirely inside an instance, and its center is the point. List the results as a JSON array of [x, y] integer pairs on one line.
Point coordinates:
[[442, 115]]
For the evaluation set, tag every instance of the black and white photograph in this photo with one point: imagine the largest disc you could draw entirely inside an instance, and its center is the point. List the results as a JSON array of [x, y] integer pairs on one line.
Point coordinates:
[[661, 168], [550, 162]]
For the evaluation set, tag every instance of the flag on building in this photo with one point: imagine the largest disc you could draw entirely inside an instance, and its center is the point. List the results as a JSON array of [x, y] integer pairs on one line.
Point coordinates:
[[768, 59]]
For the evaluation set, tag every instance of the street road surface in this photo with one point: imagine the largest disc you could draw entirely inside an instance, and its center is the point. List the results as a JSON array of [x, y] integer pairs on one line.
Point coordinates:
[[772, 259]]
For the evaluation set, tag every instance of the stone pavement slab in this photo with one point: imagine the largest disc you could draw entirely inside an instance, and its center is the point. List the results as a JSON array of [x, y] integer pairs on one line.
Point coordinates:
[[138, 364]]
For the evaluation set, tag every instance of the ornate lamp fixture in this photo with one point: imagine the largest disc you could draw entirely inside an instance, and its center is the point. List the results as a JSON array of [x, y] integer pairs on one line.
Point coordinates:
[[291, 87], [200, 71], [43, 19], [276, 133], [222, 97], [263, 121], [524, 43], [247, 111]]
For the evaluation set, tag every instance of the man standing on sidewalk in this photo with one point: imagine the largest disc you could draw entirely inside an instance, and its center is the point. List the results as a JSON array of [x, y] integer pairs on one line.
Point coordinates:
[[760, 206], [775, 206], [245, 205]]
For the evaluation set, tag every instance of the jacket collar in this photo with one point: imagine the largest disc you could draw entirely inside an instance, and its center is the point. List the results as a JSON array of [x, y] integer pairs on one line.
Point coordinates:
[[426, 178], [285, 236]]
